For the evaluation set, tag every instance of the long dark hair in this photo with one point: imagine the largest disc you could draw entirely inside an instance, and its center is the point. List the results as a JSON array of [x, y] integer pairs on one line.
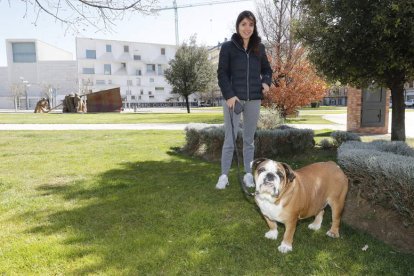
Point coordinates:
[[255, 39]]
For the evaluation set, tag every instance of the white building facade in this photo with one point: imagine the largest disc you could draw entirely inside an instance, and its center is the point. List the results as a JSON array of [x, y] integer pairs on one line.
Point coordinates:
[[34, 70], [137, 68]]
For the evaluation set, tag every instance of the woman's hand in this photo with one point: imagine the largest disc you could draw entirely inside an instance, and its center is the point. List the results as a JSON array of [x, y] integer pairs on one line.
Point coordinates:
[[265, 87], [231, 102]]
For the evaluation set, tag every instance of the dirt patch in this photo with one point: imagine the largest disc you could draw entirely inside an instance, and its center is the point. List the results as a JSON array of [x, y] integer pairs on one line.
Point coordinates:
[[384, 224]]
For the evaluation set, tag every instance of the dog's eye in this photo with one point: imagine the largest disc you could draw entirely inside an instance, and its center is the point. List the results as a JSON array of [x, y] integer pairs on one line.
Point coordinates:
[[261, 170], [280, 174]]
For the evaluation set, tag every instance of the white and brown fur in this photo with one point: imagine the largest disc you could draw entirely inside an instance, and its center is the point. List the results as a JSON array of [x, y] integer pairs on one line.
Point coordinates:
[[284, 195]]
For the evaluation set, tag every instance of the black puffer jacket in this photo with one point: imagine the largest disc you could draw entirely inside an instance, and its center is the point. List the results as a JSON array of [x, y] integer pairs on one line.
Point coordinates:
[[241, 72]]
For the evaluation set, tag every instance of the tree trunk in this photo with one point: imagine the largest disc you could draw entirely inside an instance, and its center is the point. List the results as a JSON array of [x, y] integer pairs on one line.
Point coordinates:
[[187, 104], [398, 112]]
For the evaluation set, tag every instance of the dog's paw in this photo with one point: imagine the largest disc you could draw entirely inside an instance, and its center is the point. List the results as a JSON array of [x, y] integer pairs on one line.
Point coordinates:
[[332, 234], [272, 234], [284, 248], [314, 227]]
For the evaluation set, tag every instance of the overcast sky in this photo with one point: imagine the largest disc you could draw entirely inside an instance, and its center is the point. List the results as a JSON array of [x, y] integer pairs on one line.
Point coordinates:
[[211, 23]]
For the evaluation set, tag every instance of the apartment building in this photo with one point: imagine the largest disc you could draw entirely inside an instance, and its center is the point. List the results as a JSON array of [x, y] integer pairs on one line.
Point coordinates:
[[136, 67], [34, 70]]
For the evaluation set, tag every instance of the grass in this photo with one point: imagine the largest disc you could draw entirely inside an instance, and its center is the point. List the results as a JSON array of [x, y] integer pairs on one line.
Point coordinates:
[[133, 118], [308, 119], [122, 203], [110, 118]]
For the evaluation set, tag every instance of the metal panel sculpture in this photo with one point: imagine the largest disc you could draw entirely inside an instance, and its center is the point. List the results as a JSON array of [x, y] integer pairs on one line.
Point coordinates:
[[105, 101]]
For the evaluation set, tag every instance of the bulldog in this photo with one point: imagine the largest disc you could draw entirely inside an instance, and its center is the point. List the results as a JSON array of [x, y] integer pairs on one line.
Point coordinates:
[[284, 195]]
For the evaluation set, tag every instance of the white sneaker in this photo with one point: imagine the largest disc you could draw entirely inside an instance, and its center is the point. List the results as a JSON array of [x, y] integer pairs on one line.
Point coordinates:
[[222, 182], [248, 180]]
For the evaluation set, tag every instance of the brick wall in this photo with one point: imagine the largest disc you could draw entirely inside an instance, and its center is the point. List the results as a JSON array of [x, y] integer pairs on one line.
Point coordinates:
[[354, 114]]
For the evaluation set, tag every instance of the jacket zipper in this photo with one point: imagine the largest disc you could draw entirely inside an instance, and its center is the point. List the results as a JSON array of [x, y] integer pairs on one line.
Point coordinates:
[[248, 69]]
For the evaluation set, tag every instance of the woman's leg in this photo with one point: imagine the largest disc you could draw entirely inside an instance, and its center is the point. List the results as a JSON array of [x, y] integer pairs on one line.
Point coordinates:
[[251, 114], [228, 146]]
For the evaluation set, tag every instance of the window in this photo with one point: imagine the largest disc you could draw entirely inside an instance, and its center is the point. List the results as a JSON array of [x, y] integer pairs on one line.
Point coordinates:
[[137, 57], [123, 65], [138, 81], [160, 70], [88, 70], [159, 89], [107, 69], [150, 68], [151, 79], [129, 82], [91, 54], [139, 97], [100, 82], [128, 92], [163, 51], [149, 93], [138, 72], [142, 92], [108, 48], [24, 52], [126, 49], [132, 97]]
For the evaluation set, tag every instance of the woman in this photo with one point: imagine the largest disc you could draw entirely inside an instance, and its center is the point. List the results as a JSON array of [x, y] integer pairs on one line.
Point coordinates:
[[244, 74]]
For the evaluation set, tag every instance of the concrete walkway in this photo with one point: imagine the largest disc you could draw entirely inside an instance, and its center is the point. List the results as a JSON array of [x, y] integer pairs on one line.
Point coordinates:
[[409, 122], [338, 123]]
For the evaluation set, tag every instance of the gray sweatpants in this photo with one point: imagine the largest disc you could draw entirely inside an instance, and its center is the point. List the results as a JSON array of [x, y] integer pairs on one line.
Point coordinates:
[[250, 117]]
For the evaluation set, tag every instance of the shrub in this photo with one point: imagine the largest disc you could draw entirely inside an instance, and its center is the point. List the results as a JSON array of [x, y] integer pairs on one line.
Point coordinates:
[[326, 144], [207, 141], [270, 119], [276, 142], [383, 172], [343, 136], [192, 138]]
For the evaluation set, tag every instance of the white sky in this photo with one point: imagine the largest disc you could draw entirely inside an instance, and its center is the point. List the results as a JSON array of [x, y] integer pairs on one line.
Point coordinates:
[[211, 23]]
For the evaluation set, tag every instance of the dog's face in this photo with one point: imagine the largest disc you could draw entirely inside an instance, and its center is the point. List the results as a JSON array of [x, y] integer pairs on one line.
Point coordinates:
[[271, 177]]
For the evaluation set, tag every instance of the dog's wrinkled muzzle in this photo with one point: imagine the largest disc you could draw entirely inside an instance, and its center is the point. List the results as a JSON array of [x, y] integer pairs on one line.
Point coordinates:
[[269, 187]]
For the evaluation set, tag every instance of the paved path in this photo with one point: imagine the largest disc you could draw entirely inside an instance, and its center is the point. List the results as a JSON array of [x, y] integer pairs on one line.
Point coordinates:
[[409, 122], [129, 126], [338, 123]]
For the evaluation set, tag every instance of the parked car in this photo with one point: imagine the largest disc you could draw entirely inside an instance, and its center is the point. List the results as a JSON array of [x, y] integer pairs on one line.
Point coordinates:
[[409, 103]]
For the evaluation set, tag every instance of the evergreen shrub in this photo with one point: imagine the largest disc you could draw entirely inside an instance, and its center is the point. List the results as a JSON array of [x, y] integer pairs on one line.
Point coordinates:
[[383, 173], [343, 136], [206, 141]]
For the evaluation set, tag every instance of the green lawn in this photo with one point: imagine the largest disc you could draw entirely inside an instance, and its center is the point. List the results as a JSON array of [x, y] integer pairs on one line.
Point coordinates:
[[308, 119], [133, 118], [110, 118], [124, 203]]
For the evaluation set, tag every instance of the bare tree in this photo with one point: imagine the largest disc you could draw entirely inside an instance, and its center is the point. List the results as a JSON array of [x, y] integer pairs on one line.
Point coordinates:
[[17, 90], [80, 14], [276, 20]]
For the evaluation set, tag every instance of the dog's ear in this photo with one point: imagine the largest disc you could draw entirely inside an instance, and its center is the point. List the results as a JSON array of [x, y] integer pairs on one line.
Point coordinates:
[[290, 174], [256, 162]]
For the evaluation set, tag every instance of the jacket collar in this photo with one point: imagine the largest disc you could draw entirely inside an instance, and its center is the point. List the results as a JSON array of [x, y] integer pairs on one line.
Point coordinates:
[[238, 41]]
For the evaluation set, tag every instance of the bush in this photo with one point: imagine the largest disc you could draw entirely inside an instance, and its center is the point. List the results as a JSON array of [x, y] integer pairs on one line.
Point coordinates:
[[326, 144], [383, 172], [284, 141], [270, 119], [207, 141], [343, 136]]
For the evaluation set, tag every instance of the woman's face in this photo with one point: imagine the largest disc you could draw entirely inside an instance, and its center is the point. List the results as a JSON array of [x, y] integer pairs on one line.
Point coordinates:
[[246, 28]]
